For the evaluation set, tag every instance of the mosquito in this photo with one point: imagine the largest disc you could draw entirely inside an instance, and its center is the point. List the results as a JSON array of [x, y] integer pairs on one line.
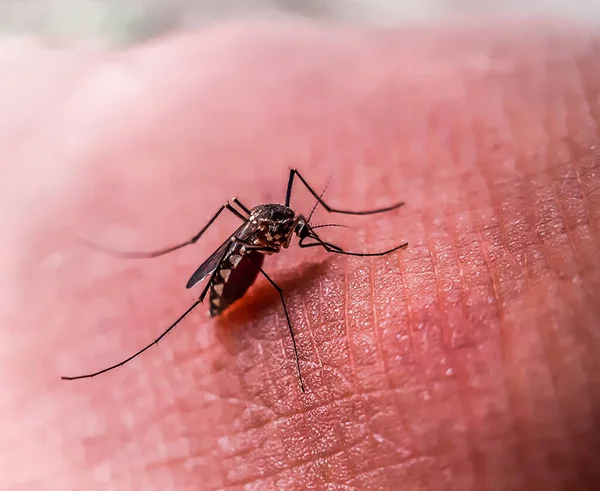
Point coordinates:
[[236, 264]]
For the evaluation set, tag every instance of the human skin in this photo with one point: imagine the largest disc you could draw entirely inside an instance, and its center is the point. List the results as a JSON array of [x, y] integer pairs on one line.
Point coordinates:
[[466, 361]]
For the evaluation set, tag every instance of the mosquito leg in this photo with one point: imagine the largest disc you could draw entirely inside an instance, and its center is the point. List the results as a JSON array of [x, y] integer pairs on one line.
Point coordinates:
[[338, 250], [170, 328], [239, 203], [315, 244], [166, 250], [289, 323], [288, 196]]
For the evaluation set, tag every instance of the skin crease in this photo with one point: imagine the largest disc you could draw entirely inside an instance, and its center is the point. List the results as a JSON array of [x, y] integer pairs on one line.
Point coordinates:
[[466, 361]]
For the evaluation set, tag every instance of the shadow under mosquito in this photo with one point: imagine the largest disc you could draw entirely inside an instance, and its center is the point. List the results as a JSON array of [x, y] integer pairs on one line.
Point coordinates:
[[233, 330]]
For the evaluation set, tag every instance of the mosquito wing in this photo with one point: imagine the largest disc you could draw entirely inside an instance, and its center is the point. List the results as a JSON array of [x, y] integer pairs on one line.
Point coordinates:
[[212, 263], [209, 266]]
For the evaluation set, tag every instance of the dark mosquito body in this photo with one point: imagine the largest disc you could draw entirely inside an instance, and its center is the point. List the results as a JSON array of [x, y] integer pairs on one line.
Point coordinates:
[[236, 264], [266, 231]]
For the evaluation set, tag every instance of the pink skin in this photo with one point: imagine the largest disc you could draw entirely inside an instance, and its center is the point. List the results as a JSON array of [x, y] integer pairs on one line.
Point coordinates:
[[467, 361]]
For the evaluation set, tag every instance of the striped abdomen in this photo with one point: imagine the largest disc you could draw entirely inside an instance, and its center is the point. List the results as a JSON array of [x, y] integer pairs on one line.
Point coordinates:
[[232, 279]]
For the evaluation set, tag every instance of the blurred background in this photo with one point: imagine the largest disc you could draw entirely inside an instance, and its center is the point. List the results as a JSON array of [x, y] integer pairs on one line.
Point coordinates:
[[126, 21]]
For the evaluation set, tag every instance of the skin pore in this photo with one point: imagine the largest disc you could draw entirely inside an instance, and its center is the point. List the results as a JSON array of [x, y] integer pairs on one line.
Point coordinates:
[[466, 361]]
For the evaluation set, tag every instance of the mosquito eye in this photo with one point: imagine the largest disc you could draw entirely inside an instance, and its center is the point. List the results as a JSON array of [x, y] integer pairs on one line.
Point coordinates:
[[302, 231]]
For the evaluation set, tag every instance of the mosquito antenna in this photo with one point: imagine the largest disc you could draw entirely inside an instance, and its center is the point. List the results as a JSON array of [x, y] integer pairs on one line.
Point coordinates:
[[314, 208], [319, 200], [89, 375]]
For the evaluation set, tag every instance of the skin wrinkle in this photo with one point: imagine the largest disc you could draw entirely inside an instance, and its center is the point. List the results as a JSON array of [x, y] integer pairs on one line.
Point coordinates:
[[311, 363], [325, 314], [266, 467], [506, 467], [412, 441], [408, 321], [420, 386], [282, 324], [502, 343], [396, 345], [339, 435], [208, 375], [283, 355], [426, 445], [568, 226], [346, 327], [332, 335], [456, 339], [586, 108], [268, 388], [268, 374], [556, 343], [588, 216], [322, 440], [529, 196], [287, 482], [500, 467], [525, 193], [553, 376], [376, 326], [498, 296], [271, 375], [585, 81], [379, 426], [587, 444], [579, 333], [310, 328], [362, 334], [559, 214], [478, 478], [577, 223], [366, 484], [287, 417], [442, 353], [247, 375], [514, 396], [288, 469], [400, 401], [542, 218]]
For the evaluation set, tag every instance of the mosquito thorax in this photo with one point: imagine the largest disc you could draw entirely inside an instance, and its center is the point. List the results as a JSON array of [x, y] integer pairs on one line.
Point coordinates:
[[275, 223]]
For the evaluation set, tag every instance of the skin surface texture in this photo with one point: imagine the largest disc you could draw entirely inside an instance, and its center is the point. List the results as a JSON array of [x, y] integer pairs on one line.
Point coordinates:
[[468, 361]]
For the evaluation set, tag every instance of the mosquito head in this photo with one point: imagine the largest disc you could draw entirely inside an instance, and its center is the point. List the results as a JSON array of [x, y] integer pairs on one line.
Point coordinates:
[[302, 228]]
